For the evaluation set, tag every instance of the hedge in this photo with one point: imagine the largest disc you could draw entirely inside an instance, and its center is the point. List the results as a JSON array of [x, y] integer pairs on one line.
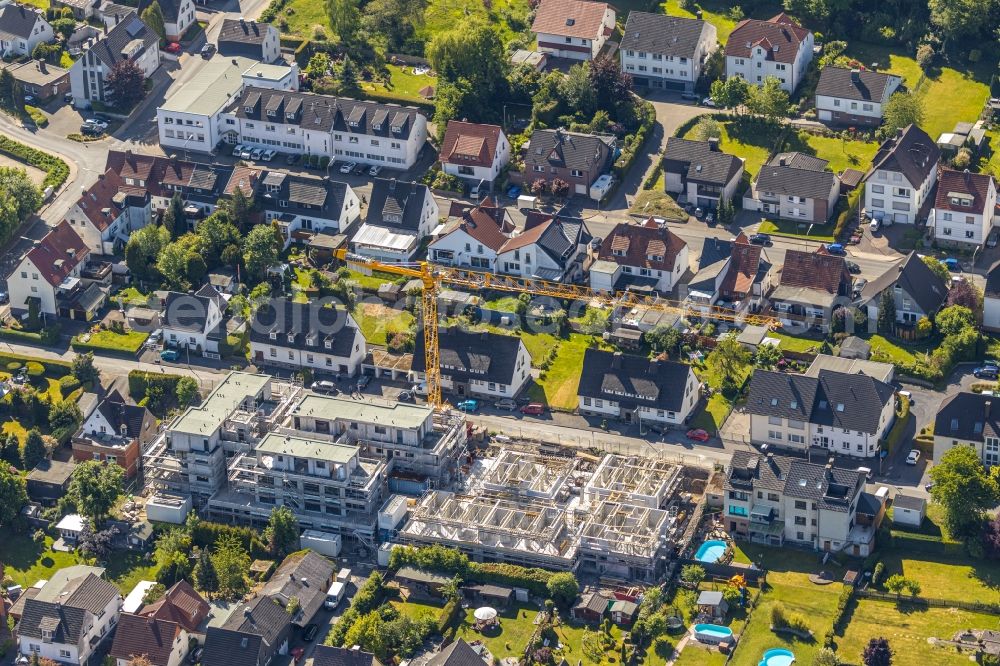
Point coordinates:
[[140, 381], [205, 534], [387, 97], [847, 213], [367, 599], [632, 145], [47, 336], [271, 11], [56, 170], [68, 384], [53, 368], [838, 618], [35, 369], [450, 561]]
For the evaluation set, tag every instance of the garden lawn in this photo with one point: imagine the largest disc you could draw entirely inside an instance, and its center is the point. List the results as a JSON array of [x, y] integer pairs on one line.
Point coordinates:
[[714, 414], [657, 203], [748, 141], [696, 655], [508, 16], [502, 304], [889, 351], [13, 427], [402, 83], [715, 12], [558, 385], [841, 154], [822, 233], [374, 281], [908, 628], [130, 296], [516, 628], [378, 322], [942, 576], [303, 16], [115, 342], [796, 344], [126, 570], [571, 637], [537, 344], [415, 609], [27, 562]]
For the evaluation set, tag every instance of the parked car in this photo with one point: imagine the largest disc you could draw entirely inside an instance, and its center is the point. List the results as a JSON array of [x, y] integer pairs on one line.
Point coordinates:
[[836, 249], [699, 213], [405, 396], [170, 354], [208, 50], [363, 381], [4, 297], [359, 169], [859, 285], [268, 155], [853, 268], [173, 47], [309, 632], [293, 159], [100, 124], [698, 435], [595, 243], [256, 154], [324, 386], [986, 372], [875, 225], [348, 167], [708, 101], [68, 97], [246, 153], [468, 405], [760, 239], [237, 150], [710, 218], [375, 170], [195, 655], [993, 238], [913, 457], [533, 409], [952, 264], [505, 403]]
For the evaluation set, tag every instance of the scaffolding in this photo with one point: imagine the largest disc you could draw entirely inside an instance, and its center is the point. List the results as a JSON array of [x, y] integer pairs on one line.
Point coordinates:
[[526, 475], [635, 480]]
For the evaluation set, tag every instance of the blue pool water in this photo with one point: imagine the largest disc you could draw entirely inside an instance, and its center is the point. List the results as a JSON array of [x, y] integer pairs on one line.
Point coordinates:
[[778, 657], [711, 551], [712, 633]]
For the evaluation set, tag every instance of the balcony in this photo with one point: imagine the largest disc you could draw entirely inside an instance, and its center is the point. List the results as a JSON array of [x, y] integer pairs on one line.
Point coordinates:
[[97, 271]]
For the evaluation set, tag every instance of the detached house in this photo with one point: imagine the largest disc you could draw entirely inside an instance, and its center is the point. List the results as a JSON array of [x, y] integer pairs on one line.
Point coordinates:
[[400, 215], [573, 29], [194, 321], [178, 15], [182, 605], [778, 47], [794, 186], [899, 184], [477, 363], [249, 39], [303, 206], [636, 389], [476, 153], [115, 433], [549, 248], [22, 28], [576, 158], [255, 633], [130, 39], [639, 257], [162, 642], [472, 237], [849, 414], [106, 214], [964, 208], [809, 285], [731, 274], [917, 291], [700, 172], [666, 52], [306, 335], [968, 419], [304, 577], [853, 96]]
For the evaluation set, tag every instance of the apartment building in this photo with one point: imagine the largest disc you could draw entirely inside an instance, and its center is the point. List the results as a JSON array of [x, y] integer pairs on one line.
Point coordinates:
[[304, 206], [666, 52], [967, 419], [778, 47], [964, 208], [306, 335], [642, 257], [550, 247], [573, 29], [130, 39], [902, 176], [854, 97], [108, 212]]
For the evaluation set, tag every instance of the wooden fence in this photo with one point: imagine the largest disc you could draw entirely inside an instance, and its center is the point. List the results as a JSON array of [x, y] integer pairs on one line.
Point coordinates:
[[979, 607]]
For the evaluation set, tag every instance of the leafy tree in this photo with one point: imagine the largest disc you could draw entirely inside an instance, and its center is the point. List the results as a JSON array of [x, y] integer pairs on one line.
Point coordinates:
[[181, 262], [174, 218], [318, 66], [826, 657], [563, 588], [187, 391], [282, 532], [65, 415], [205, 576], [707, 128], [767, 356], [887, 312], [10, 449], [895, 584], [938, 267], [663, 338], [368, 632], [8, 90], [24, 197], [239, 207], [171, 556], [729, 360], [95, 488], [925, 56], [959, 20], [612, 87], [344, 18], [347, 75], [594, 321], [217, 233], [954, 318], [143, 249], [97, 543], [731, 93], [693, 574], [34, 449], [901, 110], [13, 496], [471, 60], [394, 20], [260, 250], [65, 27], [965, 293], [964, 489], [231, 562], [153, 593], [153, 17], [768, 100], [125, 82], [877, 653]]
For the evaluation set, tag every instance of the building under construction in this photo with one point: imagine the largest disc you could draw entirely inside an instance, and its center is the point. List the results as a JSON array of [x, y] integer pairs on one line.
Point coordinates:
[[615, 516]]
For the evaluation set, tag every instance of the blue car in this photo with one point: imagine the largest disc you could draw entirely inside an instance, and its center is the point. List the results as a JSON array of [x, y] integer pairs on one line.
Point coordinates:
[[986, 371], [170, 355], [837, 249], [468, 405], [952, 264]]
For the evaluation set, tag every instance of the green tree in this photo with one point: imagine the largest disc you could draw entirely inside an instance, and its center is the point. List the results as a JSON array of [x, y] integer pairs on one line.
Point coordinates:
[[902, 110], [826, 657], [142, 251], [231, 562], [767, 356], [153, 17], [347, 75], [239, 207], [34, 449], [895, 584], [964, 490], [64, 418], [563, 588], [769, 100], [886, 312], [344, 18], [707, 128], [8, 86], [84, 369], [187, 391], [174, 218], [64, 27], [181, 263], [663, 338], [954, 318], [260, 250], [729, 361], [205, 576], [217, 233], [171, 556], [959, 20], [937, 267], [15, 184], [126, 84], [475, 56], [731, 93], [693, 574], [153, 593], [10, 449], [282, 533], [368, 632], [95, 488], [318, 66], [13, 496]]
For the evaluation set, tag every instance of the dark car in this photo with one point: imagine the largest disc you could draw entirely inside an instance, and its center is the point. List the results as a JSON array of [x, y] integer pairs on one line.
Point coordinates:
[[405, 396], [207, 51], [195, 655], [986, 372], [359, 169], [760, 239], [853, 268], [309, 632], [292, 159]]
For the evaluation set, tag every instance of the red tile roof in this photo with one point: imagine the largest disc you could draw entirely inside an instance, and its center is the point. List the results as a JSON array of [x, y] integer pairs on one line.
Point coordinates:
[[244, 177], [570, 18], [58, 253], [485, 224], [180, 604], [529, 235], [145, 636], [100, 198], [636, 243], [779, 36], [814, 270], [743, 266], [975, 186], [470, 143]]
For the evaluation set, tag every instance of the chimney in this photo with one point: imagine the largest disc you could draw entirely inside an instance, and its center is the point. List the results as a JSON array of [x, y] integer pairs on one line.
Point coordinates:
[[856, 75], [781, 161], [616, 360], [392, 184], [986, 409], [713, 144]]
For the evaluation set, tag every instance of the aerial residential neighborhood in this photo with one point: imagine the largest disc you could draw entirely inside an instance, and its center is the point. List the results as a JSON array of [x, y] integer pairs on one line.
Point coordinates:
[[542, 332]]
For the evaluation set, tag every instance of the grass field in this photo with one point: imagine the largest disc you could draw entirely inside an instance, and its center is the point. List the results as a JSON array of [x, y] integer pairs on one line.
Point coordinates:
[[696, 655], [655, 201], [502, 304], [716, 12], [946, 577], [303, 16], [887, 350], [507, 16], [796, 344], [402, 83], [841, 154], [749, 142], [516, 627], [558, 386], [377, 322], [715, 413], [793, 229], [116, 342]]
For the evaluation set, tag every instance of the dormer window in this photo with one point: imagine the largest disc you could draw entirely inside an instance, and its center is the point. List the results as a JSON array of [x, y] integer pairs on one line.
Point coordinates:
[[618, 253], [396, 129], [291, 337], [377, 126], [353, 123], [274, 335], [271, 113], [290, 117], [328, 343], [247, 109], [654, 257]]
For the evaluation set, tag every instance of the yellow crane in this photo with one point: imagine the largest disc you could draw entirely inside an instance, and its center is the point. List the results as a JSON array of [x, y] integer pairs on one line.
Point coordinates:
[[433, 276]]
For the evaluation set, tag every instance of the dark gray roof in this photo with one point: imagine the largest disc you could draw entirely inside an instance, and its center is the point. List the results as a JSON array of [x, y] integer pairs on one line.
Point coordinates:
[[261, 616], [798, 160], [397, 204], [922, 284], [467, 355], [327, 113], [56, 472], [458, 653], [327, 655], [658, 33], [118, 413], [18, 20], [87, 594], [832, 488], [968, 416], [170, 8], [787, 180], [303, 195], [286, 317], [838, 399], [993, 282], [109, 49], [571, 150], [225, 647], [243, 31], [186, 312], [305, 575], [633, 380], [698, 162], [840, 82], [911, 502], [910, 152]]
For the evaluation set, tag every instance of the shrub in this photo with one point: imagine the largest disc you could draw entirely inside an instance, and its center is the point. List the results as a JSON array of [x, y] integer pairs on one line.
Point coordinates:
[[925, 56], [56, 170], [68, 384], [13, 366], [962, 159], [35, 370]]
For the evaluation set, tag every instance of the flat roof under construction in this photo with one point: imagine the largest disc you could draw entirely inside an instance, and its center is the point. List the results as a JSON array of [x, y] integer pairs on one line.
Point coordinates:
[[397, 414], [217, 407]]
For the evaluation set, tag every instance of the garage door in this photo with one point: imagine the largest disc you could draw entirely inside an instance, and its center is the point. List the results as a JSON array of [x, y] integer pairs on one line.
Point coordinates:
[[825, 115], [641, 82], [674, 85]]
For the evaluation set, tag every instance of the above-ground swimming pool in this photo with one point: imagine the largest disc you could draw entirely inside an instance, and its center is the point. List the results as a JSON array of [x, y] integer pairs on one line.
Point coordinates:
[[711, 633], [711, 551], [777, 657]]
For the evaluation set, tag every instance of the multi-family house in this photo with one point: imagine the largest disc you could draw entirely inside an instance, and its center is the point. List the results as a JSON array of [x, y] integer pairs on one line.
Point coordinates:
[[22, 28], [855, 97], [794, 186], [666, 52], [475, 363], [178, 15], [303, 206], [917, 291], [899, 184], [967, 419], [305, 577], [637, 389], [387, 135], [778, 47], [71, 615], [550, 247], [702, 173], [52, 272], [991, 300], [964, 208], [131, 39], [645, 256], [774, 499], [194, 321], [306, 335], [809, 285], [849, 414], [472, 237], [473, 152], [182, 605], [160, 642], [573, 157], [400, 215], [573, 29], [249, 39], [115, 433], [108, 212], [255, 634], [731, 274]]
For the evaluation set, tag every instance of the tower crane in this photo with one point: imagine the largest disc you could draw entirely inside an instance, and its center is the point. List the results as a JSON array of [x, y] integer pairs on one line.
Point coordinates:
[[433, 276]]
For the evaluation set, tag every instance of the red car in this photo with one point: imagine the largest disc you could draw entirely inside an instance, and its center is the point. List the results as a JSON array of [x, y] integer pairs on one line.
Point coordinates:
[[533, 409], [173, 47], [297, 653], [698, 435]]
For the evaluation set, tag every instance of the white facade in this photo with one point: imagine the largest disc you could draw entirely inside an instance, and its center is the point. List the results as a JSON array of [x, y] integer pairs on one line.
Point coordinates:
[[476, 173], [273, 352], [756, 68], [889, 195], [458, 248], [90, 638], [88, 73], [28, 281], [194, 340], [668, 71], [970, 227], [104, 241], [385, 243], [605, 274], [578, 48], [800, 435], [41, 33], [587, 405], [829, 108]]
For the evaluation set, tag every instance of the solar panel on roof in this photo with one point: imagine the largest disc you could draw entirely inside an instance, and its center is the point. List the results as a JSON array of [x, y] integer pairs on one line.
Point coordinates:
[[134, 26]]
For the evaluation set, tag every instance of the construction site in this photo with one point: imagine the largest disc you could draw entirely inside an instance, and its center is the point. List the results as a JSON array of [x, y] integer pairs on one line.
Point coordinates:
[[609, 516]]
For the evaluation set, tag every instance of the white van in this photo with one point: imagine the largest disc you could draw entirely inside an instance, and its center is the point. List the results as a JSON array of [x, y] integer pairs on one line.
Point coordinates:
[[344, 575], [335, 595]]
